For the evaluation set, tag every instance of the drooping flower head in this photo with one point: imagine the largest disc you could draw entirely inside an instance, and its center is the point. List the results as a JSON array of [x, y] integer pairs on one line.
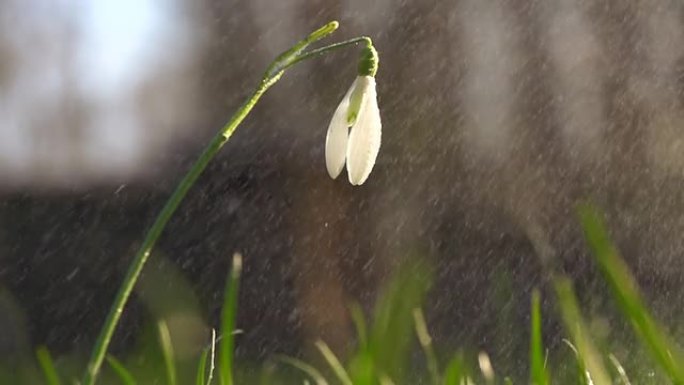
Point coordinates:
[[355, 129]]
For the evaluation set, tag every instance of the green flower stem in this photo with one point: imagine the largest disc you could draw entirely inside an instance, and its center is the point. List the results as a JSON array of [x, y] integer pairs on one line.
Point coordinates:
[[273, 74], [155, 231], [315, 52]]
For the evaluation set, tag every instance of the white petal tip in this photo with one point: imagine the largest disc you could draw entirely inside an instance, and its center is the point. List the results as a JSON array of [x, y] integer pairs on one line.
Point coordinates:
[[334, 173], [357, 182]]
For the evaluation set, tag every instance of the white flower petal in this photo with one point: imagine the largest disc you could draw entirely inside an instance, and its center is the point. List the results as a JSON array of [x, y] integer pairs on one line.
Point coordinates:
[[364, 139], [337, 137]]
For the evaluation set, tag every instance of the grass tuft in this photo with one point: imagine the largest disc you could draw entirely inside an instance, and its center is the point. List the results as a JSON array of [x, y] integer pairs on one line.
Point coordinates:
[[626, 293], [391, 334], [384, 345]]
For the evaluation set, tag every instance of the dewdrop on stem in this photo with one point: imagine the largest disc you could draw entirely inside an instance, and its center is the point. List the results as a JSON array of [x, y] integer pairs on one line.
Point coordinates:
[[355, 129]]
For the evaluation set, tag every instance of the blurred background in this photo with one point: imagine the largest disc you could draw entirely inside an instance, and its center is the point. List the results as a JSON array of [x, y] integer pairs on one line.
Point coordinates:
[[498, 117]]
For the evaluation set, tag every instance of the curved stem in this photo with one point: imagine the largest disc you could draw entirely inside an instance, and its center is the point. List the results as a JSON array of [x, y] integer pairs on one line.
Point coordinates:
[[328, 48], [155, 231], [285, 60]]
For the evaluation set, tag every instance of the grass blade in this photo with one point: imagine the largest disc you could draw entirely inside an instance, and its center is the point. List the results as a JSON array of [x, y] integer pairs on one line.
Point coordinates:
[[586, 352], [334, 363], [620, 370], [426, 343], [626, 293], [391, 334], [538, 373], [455, 371], [124, 375], [212, 357], [362, 368], [228, 316], [306, 368], [47, 365], [583, 375], [167, 352], [486, 368], [200, 378], [207, 355]]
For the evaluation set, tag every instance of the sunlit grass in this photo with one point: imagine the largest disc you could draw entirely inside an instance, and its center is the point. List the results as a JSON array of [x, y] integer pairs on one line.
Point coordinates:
[[626, 293], [388, 340]]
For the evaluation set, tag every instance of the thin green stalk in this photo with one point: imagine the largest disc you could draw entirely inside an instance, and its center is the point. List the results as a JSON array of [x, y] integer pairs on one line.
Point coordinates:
[[212, 357], [273, 74], [588, 356], [538, 373], [228, 316], [167, 352], [207, 354], [328, 48], [425, 341], [202, 368], [624, 379], [155, 231], [334, 363], [48, 366]]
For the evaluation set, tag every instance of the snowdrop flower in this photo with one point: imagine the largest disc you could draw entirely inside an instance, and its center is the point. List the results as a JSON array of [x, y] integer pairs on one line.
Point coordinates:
[[357, 147]]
